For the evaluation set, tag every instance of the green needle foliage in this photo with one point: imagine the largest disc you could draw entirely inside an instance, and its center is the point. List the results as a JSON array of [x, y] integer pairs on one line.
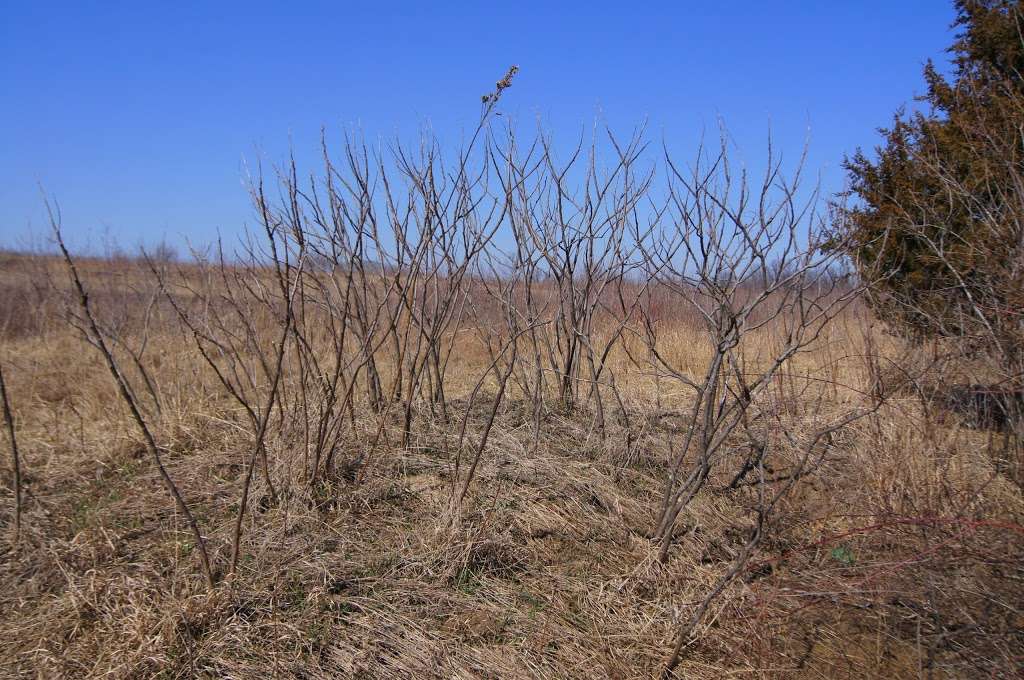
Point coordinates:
[[938, 212]]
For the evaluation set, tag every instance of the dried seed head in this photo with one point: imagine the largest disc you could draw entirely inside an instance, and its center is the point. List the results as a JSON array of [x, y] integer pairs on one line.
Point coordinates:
[[501, 85]]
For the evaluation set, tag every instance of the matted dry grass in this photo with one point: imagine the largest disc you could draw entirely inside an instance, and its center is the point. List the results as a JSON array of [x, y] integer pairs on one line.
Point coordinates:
[[901, 557]]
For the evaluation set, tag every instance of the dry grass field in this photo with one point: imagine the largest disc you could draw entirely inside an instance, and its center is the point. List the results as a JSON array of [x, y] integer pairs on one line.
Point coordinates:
[[507, 418], [898, 555], [475, 404]]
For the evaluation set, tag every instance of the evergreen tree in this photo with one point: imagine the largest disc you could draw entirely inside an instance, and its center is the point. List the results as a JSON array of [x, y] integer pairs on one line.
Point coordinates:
[[939, 214]]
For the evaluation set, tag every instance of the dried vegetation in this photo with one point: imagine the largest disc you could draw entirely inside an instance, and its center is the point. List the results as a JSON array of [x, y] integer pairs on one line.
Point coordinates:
[[502, 417]]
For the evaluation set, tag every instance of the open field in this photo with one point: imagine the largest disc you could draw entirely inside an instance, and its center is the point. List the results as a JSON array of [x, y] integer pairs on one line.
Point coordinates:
[[736, 391], [898, 553]]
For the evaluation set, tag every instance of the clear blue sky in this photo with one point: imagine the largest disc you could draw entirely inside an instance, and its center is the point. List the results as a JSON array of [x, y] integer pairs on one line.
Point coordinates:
[[137, 116]]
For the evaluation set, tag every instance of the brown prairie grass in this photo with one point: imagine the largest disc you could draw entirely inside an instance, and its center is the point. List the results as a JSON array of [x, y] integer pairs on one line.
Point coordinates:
[[899, 557]]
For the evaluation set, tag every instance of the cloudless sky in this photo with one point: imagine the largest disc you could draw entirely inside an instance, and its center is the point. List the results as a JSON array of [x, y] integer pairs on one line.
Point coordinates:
[[138, 116]]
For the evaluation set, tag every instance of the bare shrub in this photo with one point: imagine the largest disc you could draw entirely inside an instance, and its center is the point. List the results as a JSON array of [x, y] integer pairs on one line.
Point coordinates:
[[95, 336], [633, 402]]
